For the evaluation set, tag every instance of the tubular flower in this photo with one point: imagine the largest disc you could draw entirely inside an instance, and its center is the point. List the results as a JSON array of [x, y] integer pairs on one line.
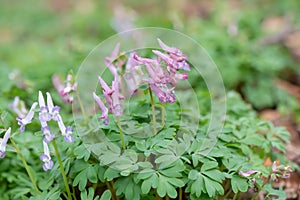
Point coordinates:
[[3, 142], [105, 87], [159, 79], [133, 74], [18, 107], [112, 96], [28, 118], [48, 136], [174, 59], [44, 114], [48, 163], [116, 96], [53, 110], [163, 93], [103, 108], [69, 85], [112, 63], [66, 132], [248, 173]]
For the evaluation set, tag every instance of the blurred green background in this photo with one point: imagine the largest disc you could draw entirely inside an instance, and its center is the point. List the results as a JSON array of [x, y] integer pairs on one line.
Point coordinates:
[[40, 38]]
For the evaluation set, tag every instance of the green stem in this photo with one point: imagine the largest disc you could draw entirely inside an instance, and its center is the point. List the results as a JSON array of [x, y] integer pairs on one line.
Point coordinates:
[[121, 133], [25, 165], [227, 194], [81, 106], [163, 115], [111, 190], [235, 196], [62, 169], [153, 112], [111, 186], [2, 121], [74, 194], [180, 194], [167, 197]]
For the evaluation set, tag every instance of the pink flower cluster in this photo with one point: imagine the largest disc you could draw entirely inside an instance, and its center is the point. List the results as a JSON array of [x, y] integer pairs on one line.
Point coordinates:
[[160, 73], [65, 88]]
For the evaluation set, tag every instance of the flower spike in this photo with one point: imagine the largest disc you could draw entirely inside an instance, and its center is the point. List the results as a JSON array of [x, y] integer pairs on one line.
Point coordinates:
[[3, 143]]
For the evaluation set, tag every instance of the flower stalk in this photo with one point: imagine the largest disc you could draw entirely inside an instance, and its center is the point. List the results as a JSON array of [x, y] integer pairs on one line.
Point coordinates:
[[163, 115], [153, 112], [121, 134], [62, 169]]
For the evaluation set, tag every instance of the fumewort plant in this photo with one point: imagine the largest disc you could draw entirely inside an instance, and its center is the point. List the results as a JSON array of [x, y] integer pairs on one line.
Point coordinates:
[[140, 143]]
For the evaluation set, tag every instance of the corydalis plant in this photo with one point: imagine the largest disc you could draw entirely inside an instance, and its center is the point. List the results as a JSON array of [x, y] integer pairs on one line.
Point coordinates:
[[51, 112], [160, 74], [46, 114]]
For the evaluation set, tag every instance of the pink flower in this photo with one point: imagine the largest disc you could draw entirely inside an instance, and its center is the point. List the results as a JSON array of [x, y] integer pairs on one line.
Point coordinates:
[[112, 63], [174, 59], [116, 96], [65, 90], [113, 95], [133, 74], [103, 108], [105, 87], [248, 173]]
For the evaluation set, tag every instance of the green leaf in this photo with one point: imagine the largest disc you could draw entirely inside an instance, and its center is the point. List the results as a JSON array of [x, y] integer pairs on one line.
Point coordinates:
[[19, 192], [110, 174], [239, 184], [275, 194], [253, 139], [197, 187], [215, 175], [176, 182], [81, 179], [174, 171], [92, 174], [151, 182], [106, 195], [209, 165], [193, 175], [145, 173], [164, 187], [126, 186], [213, 187]]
